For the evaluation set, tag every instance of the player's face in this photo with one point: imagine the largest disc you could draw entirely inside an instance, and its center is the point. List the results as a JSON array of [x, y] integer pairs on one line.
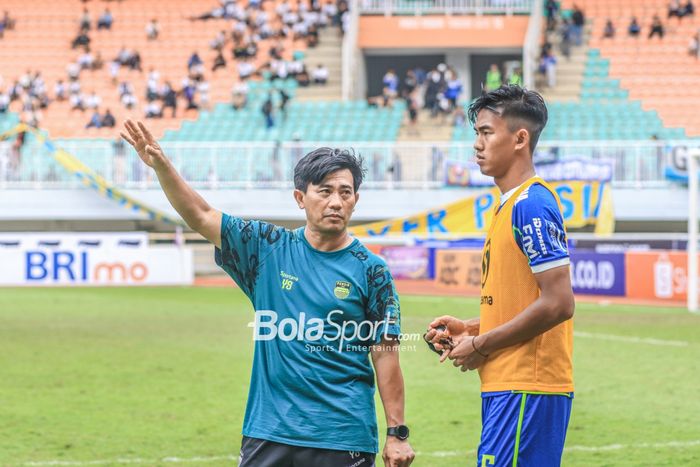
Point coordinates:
[[495, 144], [329, 204]]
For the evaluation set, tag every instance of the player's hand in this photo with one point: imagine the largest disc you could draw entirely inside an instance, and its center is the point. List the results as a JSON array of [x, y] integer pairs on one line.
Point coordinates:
[[145, 144], [448, 327], [464, 355], [397, 453]]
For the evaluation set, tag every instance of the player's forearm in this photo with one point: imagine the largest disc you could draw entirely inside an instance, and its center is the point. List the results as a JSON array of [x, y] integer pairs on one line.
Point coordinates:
[[192, 208], [541, 316]]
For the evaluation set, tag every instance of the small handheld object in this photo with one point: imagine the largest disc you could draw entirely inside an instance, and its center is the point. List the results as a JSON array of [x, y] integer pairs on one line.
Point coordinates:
[[445, 342]]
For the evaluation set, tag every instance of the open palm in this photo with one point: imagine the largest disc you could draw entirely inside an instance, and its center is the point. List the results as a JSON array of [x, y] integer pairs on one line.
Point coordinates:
[[143, 141]]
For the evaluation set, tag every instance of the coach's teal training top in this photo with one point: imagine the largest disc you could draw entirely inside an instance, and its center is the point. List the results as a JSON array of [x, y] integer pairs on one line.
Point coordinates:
[[316, 316]]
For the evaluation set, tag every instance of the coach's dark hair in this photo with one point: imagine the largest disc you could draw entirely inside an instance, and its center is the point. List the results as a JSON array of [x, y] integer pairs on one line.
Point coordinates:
[[321, 162], [519, 106]]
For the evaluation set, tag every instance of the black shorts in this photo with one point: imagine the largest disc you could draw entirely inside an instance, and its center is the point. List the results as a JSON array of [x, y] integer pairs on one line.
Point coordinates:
[[262, 453]]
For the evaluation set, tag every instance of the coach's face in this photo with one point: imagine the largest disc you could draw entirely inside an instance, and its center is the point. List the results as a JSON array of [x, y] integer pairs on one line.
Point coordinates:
[[495, 145], [329, 204]]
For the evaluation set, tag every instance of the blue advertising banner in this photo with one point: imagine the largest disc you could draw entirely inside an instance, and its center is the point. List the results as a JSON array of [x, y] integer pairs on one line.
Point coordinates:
[[598, 273], [469, 174]]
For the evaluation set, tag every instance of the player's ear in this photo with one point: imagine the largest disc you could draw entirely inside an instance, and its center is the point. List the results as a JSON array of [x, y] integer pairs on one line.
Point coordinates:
[[522, 139], [299, 198]]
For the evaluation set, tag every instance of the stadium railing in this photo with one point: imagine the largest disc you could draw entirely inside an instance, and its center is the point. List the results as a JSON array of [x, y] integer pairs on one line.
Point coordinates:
[[468, 7], [390, 165]]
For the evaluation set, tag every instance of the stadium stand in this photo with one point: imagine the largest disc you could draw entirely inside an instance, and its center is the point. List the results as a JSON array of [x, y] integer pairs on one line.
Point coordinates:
[[642, 69], [45, 29]]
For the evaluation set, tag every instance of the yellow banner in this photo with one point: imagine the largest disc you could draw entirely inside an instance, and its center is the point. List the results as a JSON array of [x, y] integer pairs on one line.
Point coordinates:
[[91, 178], [583, 204]]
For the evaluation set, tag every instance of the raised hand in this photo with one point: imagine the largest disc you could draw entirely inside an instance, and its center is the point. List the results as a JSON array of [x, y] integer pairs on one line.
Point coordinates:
[[145, 144]]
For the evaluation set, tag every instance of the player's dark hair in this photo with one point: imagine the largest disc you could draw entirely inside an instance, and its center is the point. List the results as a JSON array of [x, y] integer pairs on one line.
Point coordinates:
[[321, 162], [520, 107]]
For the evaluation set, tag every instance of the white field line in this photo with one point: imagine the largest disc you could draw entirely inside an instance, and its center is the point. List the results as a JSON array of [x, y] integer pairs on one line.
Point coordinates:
[[631, 339], [193, 460]]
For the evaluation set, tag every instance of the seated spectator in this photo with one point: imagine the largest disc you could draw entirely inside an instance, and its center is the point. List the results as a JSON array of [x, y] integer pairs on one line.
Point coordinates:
[[674, 9], [634, 29], [125, 88], [105, 20], [694, 46], [9, 23], [656, 28], [123, 57], [189, 93], [219, 61], [152, 30], [689, 8], [81, 40], [86, 60], [74, 87], [95, 120], [108, 120], [219, 41], [203, 90], [303, 78], [194, 61], [2, 29], [73, 71], [169, 98], [93, 101], [245, 69], [129, 101], [312, 37], [609, 30], [98, 62], [154, 109], [320, 74], [134, 61], [114, 71], [76, 102], [85, 21], [239, 95], [59, 91]]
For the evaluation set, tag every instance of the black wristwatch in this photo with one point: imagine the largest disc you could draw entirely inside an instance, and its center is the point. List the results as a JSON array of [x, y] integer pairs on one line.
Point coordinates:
[[400, 431]]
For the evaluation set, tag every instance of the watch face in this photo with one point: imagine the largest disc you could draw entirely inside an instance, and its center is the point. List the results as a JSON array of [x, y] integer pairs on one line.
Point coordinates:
[[402, 432]]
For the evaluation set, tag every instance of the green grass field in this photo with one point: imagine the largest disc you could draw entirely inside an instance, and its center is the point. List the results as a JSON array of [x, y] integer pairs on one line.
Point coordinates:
[[155, 375]]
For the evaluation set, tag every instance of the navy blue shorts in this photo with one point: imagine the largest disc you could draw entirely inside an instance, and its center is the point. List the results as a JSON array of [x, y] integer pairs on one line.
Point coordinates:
[[523, 428]]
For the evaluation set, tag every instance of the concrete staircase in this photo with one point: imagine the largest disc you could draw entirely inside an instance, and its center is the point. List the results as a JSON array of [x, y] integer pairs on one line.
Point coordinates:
[[328, 52], [426, 129], [569, 72]]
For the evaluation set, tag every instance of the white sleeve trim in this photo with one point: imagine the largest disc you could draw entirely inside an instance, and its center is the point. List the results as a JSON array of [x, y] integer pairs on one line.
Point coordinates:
[[550, 265]]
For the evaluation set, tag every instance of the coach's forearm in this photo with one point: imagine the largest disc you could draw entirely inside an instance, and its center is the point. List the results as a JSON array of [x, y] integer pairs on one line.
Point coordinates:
[[390, 382], [193, 209]]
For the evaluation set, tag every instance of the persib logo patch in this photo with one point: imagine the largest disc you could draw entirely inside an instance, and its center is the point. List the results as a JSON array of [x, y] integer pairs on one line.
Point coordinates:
[[342, 289]]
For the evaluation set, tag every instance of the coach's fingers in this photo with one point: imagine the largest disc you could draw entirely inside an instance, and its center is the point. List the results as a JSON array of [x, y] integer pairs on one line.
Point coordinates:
[[127, 138], [131, 128], [146, 132]]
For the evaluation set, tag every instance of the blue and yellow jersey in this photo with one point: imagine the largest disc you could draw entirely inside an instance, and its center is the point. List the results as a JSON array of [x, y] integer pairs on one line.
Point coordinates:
[[526, 237]]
